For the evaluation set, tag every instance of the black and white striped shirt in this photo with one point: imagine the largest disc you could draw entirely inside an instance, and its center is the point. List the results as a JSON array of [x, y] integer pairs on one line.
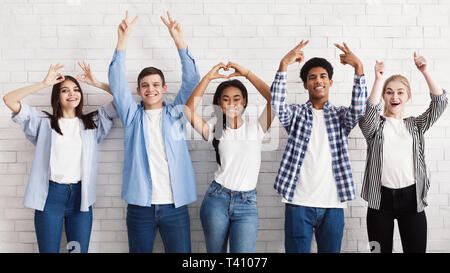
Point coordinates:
[[371, 125]]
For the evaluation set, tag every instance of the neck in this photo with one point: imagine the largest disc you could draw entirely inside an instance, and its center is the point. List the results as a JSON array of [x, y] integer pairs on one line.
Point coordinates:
[[393, 115], [235, 122], [68, 113], [153, 106], [318, 103]]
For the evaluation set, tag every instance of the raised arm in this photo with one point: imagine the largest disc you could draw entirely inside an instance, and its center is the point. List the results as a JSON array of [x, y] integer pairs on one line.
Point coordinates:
[[278, 89], [190, 74], [421, 64], [439, 99], [124, 31], [371, 119], [13, 98], [123, 100], [195, 119], [357, 108], [266, 118], [175, 31]]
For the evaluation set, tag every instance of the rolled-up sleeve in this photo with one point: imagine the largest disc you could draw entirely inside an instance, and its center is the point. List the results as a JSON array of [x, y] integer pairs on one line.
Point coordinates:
[[190, 76], [29, 119], [106, 115]]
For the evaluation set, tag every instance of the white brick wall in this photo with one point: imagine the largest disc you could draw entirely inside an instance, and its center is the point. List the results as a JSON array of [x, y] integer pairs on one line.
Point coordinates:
[[255, 33]]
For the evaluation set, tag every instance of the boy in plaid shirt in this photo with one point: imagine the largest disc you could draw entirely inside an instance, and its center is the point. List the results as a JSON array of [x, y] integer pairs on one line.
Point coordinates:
[[315, 178]]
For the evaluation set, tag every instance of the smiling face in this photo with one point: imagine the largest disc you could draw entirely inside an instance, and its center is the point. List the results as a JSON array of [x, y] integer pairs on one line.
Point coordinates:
[[318, 84], [395, 95], [151, 90], [232, 102], [69, 95]]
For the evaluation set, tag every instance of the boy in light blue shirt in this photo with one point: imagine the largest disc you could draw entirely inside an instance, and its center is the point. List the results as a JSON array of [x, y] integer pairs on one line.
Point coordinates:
[[158, 178]]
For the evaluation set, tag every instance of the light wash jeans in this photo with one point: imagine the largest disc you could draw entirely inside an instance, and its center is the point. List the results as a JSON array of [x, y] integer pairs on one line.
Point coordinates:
[[173, 224], [300, 223], [63, 206], [229, 216]]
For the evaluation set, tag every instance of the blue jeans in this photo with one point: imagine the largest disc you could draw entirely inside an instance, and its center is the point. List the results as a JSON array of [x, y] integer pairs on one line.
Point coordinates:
[[173, 224], [300, 223], [229, 216], [63, 203]]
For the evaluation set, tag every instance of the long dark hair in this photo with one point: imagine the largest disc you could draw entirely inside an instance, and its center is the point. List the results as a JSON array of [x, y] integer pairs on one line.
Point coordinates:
[[88, 119], [220, 126]]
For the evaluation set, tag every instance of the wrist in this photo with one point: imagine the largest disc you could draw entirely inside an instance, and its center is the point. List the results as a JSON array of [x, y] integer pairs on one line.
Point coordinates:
[[43, 84], [359, 69], [283, 66]]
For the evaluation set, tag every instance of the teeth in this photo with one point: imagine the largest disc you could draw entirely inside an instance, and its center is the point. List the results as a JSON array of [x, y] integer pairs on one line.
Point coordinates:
[[319, 87]]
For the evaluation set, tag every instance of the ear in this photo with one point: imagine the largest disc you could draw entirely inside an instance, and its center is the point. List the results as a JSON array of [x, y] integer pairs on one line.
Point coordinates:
[[304, 86], [164, 90], [138, 90], [331, 83]]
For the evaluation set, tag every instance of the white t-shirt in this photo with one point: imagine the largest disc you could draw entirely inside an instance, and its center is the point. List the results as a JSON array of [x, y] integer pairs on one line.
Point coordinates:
[[398, 163], [316, 186], [159, 168], [65, 157], [240, 156]]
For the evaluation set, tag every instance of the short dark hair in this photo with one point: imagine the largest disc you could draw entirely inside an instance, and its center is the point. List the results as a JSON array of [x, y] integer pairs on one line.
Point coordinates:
[[316, 62], [150, 71]]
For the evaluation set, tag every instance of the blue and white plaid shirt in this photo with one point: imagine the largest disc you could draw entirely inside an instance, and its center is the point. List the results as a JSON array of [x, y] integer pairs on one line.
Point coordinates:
[[297, 120]]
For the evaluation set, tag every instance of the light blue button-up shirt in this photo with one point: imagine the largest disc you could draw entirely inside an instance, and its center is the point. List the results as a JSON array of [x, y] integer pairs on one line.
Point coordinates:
[[38, 130], [137, 183]]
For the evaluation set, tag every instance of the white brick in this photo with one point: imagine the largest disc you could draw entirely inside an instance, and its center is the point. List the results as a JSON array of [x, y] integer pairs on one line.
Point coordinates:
[[254, 33]]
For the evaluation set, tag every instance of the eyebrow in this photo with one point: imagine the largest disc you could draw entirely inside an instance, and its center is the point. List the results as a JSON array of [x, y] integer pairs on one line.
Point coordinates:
[[314, 75]]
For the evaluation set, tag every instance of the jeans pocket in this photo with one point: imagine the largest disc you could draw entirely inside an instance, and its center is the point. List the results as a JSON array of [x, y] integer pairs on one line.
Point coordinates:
[[251, 200], [213, 190]]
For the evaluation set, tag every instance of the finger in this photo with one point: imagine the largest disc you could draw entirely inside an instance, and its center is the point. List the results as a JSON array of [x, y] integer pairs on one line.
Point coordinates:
[[59, 78], [415, 54], [340, 47], [346, 47], [58, 66], [235, 74], [125, 23], [303, 44], [134, 20], [126, 15], [80, 77], [170, 17], [164, 21]]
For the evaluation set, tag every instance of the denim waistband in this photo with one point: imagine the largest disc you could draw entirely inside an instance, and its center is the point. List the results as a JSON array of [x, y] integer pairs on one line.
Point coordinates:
[[219, 188], [65, 184]]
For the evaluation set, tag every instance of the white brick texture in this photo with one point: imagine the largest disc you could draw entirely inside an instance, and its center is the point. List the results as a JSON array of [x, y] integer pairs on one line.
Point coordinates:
[[257, 34]]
